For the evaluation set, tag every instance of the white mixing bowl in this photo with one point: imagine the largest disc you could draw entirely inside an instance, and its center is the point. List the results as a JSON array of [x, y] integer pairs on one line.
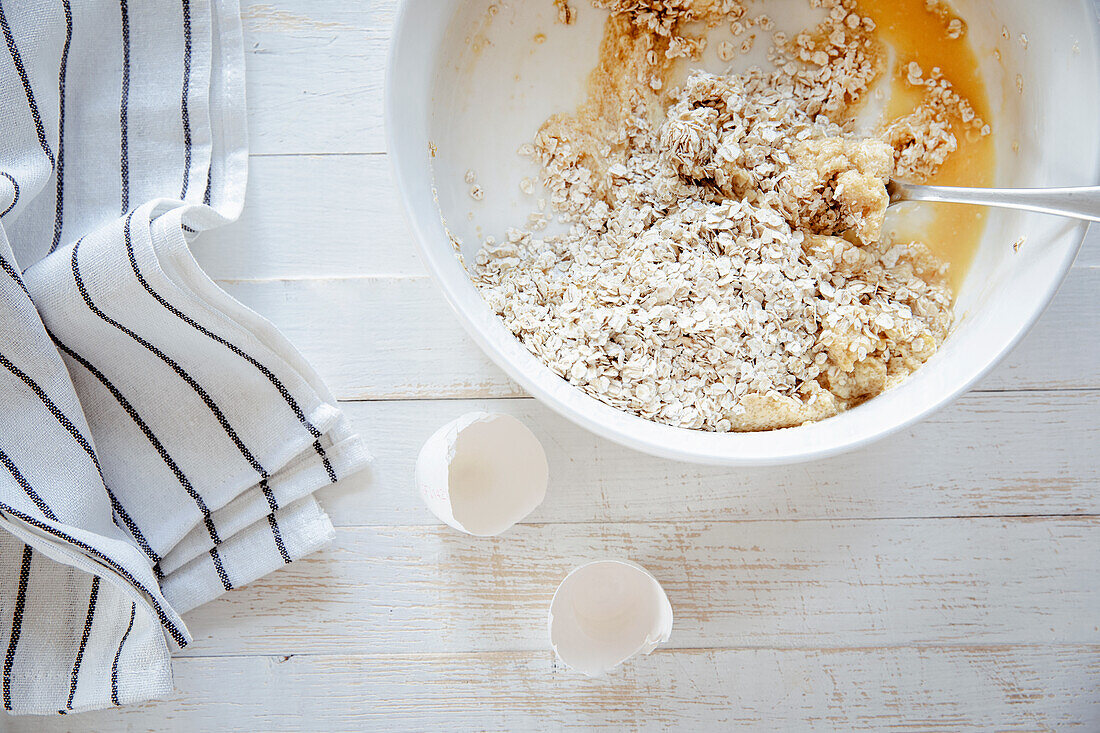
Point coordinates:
[[468, 84]]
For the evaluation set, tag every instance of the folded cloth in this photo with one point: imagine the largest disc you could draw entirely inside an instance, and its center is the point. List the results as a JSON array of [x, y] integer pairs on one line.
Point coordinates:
[[160, 444]]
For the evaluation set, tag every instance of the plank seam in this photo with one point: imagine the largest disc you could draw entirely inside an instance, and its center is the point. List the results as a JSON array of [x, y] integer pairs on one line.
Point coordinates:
[[931, 646]]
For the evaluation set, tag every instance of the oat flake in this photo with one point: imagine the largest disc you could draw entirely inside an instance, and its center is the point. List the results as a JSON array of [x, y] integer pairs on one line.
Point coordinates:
[[726, 268]]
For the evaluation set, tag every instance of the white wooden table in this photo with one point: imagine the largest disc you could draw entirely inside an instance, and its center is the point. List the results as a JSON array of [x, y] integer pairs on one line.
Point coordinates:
[[946, 578]]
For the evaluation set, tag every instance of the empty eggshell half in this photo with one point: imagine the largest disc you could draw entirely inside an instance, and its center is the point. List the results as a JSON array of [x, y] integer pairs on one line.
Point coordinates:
[[482, 473], [605, 612]]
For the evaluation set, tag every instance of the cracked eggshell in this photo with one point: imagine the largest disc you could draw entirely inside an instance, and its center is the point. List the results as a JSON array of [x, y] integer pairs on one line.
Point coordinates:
[[482, 473], [605, 612]]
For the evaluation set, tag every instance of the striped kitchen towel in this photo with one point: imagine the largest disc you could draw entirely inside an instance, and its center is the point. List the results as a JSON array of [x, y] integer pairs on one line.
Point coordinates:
[[160, 443]]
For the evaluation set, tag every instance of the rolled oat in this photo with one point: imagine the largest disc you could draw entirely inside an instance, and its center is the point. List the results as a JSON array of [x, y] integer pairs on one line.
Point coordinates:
[[725, 267]]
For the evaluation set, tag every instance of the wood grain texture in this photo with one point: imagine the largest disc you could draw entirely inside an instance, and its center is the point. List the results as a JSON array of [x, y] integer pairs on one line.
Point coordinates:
[[418, 349], [314, 216], [316, 72], [987, 454], [792, 585], [903, 688]]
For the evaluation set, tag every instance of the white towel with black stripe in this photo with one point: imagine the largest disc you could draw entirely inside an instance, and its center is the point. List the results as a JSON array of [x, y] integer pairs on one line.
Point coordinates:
[[160, 444]]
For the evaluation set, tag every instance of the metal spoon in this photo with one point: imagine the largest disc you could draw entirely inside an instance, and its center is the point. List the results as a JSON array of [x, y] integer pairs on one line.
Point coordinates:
[[1078, 203]]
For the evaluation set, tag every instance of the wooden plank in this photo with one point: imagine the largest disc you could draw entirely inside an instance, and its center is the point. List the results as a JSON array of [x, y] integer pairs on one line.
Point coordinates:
[[397, 337], [335, 215], [313, 216], [303, 16], [400, 340], [995, 454], [731, 584], [315, 75], [949, 689], [1048, 356]]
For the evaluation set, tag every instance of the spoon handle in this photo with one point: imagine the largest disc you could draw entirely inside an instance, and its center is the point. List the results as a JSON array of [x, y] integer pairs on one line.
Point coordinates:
[[1079, 203]]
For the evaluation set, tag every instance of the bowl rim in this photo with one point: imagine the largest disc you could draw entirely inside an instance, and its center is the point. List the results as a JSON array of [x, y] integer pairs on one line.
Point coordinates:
[[632, 431]]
